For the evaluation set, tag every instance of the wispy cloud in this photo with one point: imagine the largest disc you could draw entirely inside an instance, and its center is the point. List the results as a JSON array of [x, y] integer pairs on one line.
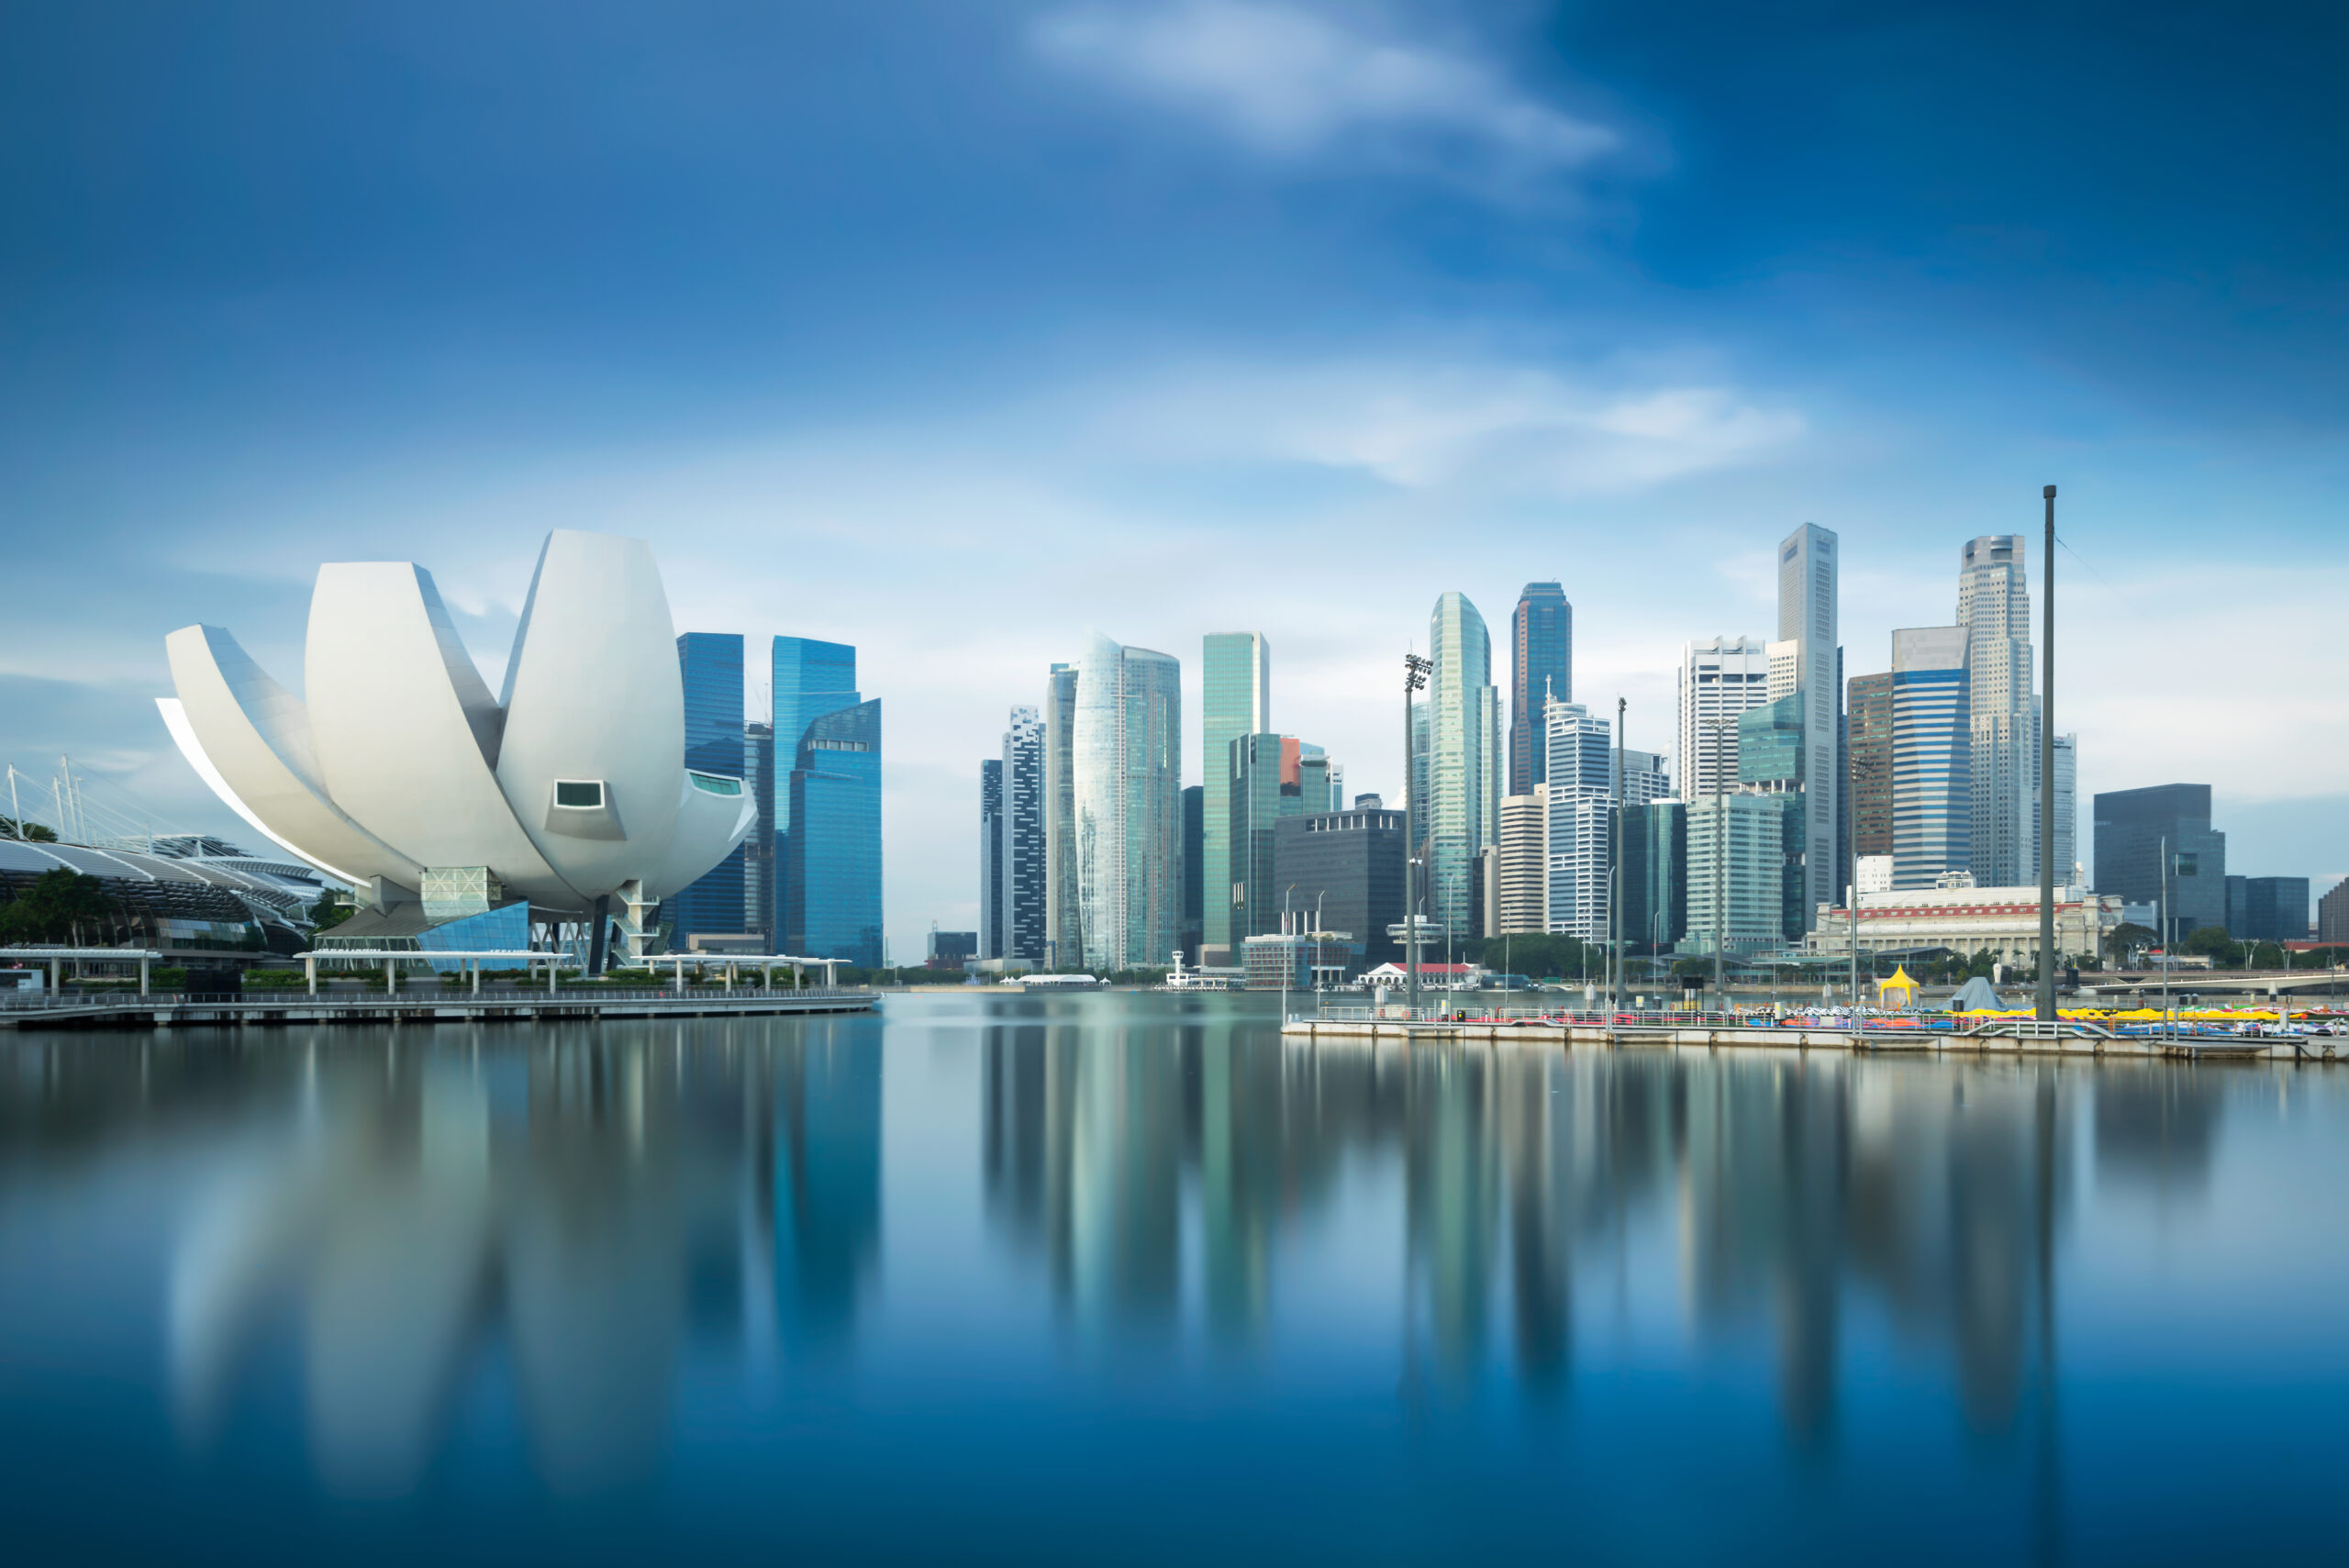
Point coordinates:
[[1298, 82]]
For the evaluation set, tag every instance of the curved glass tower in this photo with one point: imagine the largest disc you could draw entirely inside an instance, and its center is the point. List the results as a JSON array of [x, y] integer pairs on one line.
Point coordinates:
[[1126, 766], [1464, 757]]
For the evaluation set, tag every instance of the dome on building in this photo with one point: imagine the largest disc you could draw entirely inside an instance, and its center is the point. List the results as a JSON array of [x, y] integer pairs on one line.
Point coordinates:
[[396, 770]]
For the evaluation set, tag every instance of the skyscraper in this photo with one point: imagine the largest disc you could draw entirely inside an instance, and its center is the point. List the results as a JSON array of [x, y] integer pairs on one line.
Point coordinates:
[[1253, 806], [2066, 786], [1719, 680], [1195, 860], [1524, 869], [1655, 875], [1807, 616], [830, 864], [1994, 608], [1127, 758], [810, 678], [1022, 851], [1464, 768], [1235, 699], [1581, 767], [2131, 826], [758, 849], [991, 846], [1541, 666], [1933, 756], [710, 664], [1870, 783], [1064, 922], [1736, 881]]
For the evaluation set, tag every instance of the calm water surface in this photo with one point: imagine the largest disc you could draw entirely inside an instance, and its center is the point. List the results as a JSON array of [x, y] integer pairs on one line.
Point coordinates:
[[1116, 1277]]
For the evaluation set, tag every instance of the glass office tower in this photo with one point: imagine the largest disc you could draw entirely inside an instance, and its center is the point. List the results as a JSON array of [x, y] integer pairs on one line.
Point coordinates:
[[831, 860], [2131, 826], [810, 678], [711, 666], [1808, 616], [1256, 799], [1932, 757], [758, 849], [991, 842], [1021, 852], [1463, 765], [1126, 757], [1541, 666], [1236, 699]]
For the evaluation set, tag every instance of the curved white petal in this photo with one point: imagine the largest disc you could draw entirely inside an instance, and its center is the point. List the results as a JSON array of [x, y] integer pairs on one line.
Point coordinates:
[[593, 694], [248, 739], [708, 826], [406, 732]]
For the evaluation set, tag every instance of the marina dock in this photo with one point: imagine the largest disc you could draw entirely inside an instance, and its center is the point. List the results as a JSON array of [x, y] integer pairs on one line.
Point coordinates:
[[260, 1010]]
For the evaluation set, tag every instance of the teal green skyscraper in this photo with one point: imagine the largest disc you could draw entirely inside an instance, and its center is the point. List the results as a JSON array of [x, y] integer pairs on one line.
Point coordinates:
[[1236, 700], [1464, 756]]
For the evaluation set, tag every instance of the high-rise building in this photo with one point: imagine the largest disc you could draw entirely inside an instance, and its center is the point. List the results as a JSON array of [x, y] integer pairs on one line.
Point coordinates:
[[2267, 908], [758, 849], [1524, 868], [1735, 881], [2332, 914], [1541, 666], [1647, 776], [1655, 875], [710, 664], [1194, 864], [1235, 699], [2067, 811], [1870, 764], [810, 678], [1254, 802], [1582, 768], [1463, 763], [1718, 681], [1932, 757], [1022, 849], [1126, 745], [991, 846], [1994, 608], [1347, 866], [2131, 826], [1312, 779], [830, 865], [1808, 616], [1064, 922], [1771, 762]]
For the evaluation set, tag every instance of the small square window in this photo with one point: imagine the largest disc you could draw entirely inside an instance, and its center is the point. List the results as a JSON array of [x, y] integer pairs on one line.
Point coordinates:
[[585, 793]]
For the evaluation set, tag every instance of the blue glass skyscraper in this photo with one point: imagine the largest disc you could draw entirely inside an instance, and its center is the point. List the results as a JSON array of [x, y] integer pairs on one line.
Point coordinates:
[[711, 665], [811, 678], [832, 855]]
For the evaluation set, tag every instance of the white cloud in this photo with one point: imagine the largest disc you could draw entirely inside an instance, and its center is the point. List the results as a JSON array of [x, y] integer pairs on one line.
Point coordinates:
[[1489, 428], [1293, 82]]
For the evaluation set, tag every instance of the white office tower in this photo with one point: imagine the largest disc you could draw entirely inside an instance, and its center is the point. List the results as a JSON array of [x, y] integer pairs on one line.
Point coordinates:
[[1807, 616], [1524, 873], [1464, 757], [1126, 751], [1581, 766], [1993, 609], [2068, 811], [1647, 776], [1719, 680], [1932, 759]]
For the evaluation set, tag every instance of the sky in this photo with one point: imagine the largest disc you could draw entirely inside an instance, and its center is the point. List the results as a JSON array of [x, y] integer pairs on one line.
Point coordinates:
[[955, 328]]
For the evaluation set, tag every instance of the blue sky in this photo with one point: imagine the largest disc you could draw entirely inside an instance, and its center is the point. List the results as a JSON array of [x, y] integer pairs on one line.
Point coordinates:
[[952, 329]]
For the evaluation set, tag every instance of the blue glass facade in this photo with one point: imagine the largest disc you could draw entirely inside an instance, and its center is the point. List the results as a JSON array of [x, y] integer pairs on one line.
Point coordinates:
[[1542, 667], [494, 930], [831, 853], [711, 665], [811, 678]]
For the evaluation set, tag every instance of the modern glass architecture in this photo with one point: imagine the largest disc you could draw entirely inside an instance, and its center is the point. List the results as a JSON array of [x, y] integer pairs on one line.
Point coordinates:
[[1022, 849], [1195, 866], [1255, 799], [1581, 764], [1347, 867], [1235, 699], [1463, 759], [1869, 707], [1994, 607], [1736, 865], [758, 849], [1719, 680], [1655, 875], [711, 665], [1541, 666], [1064, 922], [1808, 612], [2130, 826], [2267, 908], [1126, 748], [810, 678], [991, 844], [1932, 757], [2067, 786], [832, 859]]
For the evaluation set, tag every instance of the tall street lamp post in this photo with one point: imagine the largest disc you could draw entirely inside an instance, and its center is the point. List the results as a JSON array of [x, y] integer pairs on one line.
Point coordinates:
[[2047, 775], [1414, 676]]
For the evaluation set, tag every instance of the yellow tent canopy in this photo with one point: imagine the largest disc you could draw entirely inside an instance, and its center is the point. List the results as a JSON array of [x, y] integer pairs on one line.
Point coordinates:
[[1899, 981]]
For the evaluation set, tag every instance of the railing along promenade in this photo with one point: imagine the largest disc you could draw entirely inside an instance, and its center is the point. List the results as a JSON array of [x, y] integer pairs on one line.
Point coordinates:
[[1867, 1034], [278, 1006]]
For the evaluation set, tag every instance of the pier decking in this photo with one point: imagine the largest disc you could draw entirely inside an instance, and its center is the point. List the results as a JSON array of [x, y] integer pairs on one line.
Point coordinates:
[[507, 1005]]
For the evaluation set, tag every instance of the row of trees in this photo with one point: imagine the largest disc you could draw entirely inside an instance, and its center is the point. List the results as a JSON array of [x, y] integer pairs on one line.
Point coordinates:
[[61, 907], [27, 832]]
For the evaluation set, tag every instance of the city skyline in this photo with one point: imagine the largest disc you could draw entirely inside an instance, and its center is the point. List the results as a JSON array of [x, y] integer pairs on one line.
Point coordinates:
[[1097, 322]]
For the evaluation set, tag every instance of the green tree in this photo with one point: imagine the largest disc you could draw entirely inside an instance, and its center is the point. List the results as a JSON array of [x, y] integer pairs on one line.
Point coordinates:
[[2127, 938], [2223, 949], [61, 906], [27, 832], [332, 910]]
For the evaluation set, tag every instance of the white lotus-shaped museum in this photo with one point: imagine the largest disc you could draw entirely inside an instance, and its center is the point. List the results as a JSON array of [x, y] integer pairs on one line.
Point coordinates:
[[398, 773]]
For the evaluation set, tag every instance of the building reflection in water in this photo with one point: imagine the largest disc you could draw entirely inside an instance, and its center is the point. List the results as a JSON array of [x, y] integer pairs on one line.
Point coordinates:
[[1791, 1188], [594, 1206]]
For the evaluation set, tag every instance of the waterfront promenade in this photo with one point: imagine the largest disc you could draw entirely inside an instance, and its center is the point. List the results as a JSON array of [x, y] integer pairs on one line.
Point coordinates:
[[129, 1010]]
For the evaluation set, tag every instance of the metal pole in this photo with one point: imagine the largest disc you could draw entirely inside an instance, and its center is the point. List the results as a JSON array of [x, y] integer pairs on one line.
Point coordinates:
[[1720, 853], [2047, 774], [2169, 1029], [1614, 878]]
